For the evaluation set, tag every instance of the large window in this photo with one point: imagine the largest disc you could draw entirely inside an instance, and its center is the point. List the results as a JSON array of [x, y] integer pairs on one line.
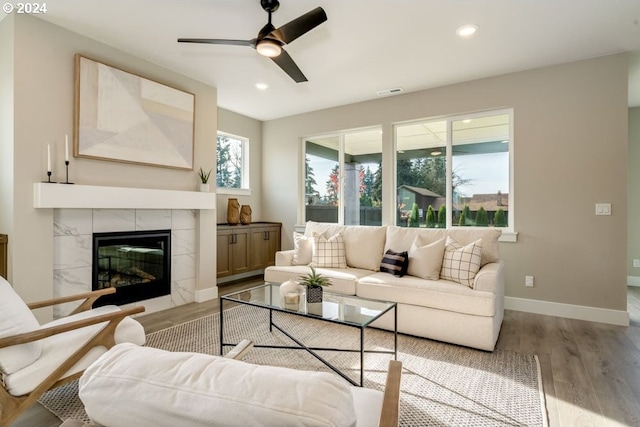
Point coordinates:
[[454, 172], [342, 179], [232, 171]]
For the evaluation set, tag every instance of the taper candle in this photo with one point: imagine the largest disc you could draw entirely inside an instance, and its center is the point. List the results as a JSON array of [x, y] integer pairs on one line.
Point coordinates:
[[48, 157], [66, 148]]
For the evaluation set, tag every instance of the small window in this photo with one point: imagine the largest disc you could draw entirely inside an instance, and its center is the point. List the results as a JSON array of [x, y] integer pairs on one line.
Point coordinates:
[[232, 170]]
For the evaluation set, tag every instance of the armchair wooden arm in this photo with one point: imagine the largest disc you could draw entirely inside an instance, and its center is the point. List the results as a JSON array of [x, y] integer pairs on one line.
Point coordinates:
[[391, 402], [26, 337], [89, 297]]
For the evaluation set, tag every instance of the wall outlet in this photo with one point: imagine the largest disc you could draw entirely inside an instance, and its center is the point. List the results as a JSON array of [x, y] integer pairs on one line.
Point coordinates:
[[528, 281], [636, 262]]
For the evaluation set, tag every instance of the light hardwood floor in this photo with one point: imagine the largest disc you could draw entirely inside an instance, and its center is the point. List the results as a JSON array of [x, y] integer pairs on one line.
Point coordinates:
[[590, 371]]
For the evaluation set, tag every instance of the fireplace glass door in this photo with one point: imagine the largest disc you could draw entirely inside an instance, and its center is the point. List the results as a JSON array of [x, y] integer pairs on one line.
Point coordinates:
[[138, 264]]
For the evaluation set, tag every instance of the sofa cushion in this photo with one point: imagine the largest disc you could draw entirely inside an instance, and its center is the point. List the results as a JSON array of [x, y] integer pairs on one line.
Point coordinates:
[[437, 294], [57, 348], [489, 237], [461, 263], [364, 246], [395, 263], [401, 238], [343, 280], [303, 249], [195, 389], [425, 260], [16, 318], [329, 252]]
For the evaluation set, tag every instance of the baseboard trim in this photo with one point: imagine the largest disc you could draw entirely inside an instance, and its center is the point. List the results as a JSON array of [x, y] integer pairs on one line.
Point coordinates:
[[633, 281], [569, 311], [206, 294]]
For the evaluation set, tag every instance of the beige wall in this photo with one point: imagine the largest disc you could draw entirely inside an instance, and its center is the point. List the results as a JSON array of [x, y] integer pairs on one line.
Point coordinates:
[[634, 194], [6, 128], [244, 126], [43, 111], [570, 152]]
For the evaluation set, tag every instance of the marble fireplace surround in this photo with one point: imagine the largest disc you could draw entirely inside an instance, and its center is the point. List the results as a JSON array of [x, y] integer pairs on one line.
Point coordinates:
[[81, 210]]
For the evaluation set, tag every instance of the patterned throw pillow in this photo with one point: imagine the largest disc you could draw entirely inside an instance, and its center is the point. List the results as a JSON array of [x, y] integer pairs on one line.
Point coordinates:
[[330, 252], [461, 263], [395, 263]]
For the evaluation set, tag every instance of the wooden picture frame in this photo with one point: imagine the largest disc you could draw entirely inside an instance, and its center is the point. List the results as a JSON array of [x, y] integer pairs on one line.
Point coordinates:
[[123, 117]]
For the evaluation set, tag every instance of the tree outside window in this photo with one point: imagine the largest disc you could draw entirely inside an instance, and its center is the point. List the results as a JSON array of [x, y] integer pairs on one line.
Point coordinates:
[[231, 169]]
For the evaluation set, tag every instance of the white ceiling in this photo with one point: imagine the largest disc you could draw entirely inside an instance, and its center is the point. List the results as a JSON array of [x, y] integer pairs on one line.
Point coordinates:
[[364, 47]]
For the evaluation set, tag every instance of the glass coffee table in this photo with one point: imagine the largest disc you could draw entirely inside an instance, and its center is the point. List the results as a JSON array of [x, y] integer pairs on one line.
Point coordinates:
[[348, 310]]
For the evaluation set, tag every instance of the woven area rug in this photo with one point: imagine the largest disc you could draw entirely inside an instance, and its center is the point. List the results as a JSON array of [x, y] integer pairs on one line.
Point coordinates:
[[442, 384]]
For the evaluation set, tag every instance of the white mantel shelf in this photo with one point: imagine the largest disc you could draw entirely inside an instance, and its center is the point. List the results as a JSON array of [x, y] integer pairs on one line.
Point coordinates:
[[73, 196]]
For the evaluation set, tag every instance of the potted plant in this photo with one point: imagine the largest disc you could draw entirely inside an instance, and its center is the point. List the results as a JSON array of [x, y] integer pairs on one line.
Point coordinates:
[[314, 282], [204, 179]]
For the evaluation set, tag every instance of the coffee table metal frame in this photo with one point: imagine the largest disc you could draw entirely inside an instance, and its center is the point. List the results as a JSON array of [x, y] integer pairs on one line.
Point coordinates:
[[271, 306]]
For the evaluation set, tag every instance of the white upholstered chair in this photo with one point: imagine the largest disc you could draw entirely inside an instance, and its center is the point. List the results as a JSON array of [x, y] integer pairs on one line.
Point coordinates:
[[35, 358], [141, 386]]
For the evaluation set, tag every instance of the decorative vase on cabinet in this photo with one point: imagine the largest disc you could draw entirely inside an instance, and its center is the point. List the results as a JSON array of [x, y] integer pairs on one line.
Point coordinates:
[[233, 212]]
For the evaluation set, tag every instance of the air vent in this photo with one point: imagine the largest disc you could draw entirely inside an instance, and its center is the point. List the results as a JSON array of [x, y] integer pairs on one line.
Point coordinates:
[[393, 91]]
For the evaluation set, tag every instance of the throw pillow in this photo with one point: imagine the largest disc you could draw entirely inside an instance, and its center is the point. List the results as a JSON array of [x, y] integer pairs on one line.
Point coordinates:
[[461, 263], [395, 263], [425, 260], [303, 249], [329, 252]]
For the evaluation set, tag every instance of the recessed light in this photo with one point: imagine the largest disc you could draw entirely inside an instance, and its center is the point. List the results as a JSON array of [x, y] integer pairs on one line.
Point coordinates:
[[262, 86], [467, 30], [465, 121], [436, 153]]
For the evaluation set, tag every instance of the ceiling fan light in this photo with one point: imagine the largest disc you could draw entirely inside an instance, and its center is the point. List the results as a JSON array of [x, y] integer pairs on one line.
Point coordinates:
[[268, 48], [467, 30]]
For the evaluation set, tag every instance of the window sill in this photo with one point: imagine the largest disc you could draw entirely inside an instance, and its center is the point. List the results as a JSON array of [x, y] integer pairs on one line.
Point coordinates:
[[234, 191], [508, 237]]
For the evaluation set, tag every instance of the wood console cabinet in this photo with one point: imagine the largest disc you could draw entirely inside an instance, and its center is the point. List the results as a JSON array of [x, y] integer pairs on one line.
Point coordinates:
[[246, 248]]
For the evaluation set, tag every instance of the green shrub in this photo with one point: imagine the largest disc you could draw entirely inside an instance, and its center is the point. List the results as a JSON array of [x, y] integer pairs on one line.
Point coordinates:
[[414, 218], [431, 217], [442, 216], [500, 219], [482, 220], [463, 220]]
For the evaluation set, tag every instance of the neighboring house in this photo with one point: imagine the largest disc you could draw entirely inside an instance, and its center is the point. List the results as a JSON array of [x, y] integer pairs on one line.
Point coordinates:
[[408, 195], [490, 202]]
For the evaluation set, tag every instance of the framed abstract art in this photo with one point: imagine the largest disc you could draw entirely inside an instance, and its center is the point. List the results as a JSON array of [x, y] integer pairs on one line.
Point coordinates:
[[123, 117]]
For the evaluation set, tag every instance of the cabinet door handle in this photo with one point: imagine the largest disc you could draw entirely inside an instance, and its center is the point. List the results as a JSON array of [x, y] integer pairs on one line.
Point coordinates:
[[233, 239]]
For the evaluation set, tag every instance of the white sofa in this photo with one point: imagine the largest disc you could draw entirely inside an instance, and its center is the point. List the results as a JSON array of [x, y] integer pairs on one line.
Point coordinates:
[[465, 312]]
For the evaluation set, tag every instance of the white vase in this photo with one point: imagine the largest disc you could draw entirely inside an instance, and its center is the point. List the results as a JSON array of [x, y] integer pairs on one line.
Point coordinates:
[[204, 188], [290, 287]]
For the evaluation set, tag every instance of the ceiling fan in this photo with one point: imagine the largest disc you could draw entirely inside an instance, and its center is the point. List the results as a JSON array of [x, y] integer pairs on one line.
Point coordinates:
[[270, 39]]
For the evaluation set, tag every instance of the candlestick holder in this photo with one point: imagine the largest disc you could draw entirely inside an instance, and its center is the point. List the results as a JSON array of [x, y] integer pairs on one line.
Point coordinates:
[[66, 166], [49, 178]]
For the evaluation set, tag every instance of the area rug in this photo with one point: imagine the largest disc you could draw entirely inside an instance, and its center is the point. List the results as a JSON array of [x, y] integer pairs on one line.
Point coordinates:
[[442, 384]]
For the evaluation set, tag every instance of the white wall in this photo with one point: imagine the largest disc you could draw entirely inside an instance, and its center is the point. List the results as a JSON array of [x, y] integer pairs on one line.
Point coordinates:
[[43, 111], [570, 152]]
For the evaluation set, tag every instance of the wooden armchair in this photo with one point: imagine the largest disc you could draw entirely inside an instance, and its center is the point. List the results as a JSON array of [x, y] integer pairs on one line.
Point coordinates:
[[35, 358], [367, 401], [131, 385]]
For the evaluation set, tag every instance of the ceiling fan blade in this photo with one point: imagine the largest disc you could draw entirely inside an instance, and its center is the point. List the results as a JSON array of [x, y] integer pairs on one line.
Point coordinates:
[[299, 26], [251, 43], [285, 62]]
